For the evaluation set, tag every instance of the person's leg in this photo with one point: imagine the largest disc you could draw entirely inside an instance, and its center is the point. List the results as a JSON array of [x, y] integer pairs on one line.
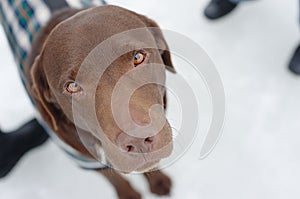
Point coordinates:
[[15, 144], [219, 8], [294, 64]]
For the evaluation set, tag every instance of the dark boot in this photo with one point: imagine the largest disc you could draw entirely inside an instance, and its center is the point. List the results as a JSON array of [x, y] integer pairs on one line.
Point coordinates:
[[15, 144], [218, 8], [294, 65]]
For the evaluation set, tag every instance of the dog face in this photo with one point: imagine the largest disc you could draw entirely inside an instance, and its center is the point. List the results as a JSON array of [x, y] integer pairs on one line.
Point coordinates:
[[57, 87]]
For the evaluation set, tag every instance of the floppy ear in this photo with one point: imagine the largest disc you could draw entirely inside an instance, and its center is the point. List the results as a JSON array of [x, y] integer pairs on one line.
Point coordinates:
[[161, 43], [50, 110], [38, 84], [42, 95]]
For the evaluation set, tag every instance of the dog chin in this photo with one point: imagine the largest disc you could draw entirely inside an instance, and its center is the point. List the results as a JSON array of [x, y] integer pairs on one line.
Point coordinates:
[[142, 168], [148, 167]]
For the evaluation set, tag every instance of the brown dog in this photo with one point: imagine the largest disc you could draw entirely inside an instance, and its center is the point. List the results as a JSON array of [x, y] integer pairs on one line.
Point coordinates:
[[51, 74]]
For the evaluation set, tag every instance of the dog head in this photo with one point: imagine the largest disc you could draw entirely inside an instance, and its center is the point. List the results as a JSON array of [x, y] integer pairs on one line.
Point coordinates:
[[57, 87]]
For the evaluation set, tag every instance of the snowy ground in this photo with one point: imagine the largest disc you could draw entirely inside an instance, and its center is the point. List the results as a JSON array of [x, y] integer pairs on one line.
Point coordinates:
[[258, 155]]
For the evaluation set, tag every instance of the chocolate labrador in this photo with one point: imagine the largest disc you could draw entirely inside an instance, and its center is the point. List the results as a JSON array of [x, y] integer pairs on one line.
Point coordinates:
[[53, 82]]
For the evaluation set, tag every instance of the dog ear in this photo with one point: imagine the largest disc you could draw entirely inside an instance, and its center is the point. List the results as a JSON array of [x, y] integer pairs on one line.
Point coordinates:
[[161, 43], [42, 95], [51, 111], [38, 86]]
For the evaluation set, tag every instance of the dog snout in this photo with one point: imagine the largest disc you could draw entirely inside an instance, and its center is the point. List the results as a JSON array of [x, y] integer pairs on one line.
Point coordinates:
[[130, 144], [140, 114]]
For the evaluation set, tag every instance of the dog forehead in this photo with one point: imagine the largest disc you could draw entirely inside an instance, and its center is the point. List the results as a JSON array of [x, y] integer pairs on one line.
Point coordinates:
[[73, 39], [98, 23]]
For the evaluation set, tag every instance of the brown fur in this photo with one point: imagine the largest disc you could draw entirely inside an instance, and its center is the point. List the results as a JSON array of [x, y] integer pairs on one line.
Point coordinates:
[[58, 51]]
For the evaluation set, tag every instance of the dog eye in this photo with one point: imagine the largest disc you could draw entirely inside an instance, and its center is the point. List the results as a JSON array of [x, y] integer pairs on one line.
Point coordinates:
[[139, 57], [73, 87]]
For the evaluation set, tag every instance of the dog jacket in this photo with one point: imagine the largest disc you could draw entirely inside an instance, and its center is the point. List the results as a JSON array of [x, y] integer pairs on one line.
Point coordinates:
[[22, 21]]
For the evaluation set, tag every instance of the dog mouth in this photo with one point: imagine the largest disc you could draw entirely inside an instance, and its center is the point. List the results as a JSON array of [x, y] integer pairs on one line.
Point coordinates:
[[134, 161], [146, 162], [148, 166], [143, 168], [143, 162]]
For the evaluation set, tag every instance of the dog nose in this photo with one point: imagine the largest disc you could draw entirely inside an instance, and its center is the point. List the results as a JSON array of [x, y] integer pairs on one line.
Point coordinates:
[[135, 145]]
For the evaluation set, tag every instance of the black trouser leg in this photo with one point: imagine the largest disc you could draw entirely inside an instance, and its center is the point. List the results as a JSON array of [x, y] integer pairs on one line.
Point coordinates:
[[15, 144]]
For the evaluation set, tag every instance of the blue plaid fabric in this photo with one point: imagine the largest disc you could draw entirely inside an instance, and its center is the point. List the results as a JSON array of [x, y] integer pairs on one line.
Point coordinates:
[[22, 21]]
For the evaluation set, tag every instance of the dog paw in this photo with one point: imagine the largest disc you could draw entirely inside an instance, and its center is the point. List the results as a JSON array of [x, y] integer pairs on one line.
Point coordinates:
[[130, 195], [160, 183]]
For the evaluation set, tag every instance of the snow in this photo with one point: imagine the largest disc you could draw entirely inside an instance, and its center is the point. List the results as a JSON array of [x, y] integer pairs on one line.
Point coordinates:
[[258, 154]]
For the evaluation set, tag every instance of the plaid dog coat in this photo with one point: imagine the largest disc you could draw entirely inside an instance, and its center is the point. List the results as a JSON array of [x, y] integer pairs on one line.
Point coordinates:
[[22, 21]]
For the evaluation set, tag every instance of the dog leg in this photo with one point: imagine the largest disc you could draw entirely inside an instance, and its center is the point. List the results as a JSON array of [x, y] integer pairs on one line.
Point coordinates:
[[15, 144], [122, 186], [159, 183]]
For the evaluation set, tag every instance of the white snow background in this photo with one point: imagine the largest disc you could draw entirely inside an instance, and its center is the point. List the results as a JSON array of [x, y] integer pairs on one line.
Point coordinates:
[[258, 155]]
